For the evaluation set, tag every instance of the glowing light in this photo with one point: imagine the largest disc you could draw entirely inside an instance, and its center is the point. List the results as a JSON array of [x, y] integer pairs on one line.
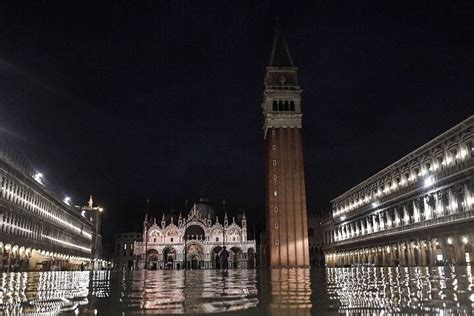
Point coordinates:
[[375, 204], [18, 227], [67, 243], [465, 240], [38, 177], [67, 200], [429, 181], [450, 241], [343, 218], [50, 215]]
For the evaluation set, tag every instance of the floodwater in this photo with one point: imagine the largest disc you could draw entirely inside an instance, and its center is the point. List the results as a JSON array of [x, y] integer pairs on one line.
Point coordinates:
[[359, 291]]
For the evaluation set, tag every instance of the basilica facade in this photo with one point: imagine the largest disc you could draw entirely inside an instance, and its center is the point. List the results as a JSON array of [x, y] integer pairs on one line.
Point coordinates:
[[195, 241]]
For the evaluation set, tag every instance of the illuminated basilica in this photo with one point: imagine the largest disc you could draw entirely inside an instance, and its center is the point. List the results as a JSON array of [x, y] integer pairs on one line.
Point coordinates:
[[194, 241]]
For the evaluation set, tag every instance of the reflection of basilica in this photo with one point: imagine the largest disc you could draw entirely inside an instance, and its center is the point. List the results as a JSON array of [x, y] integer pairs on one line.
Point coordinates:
[[195, 241]]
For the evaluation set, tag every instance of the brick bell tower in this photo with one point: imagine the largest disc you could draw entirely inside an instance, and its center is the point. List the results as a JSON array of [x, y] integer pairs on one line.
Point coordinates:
[[287, 232]]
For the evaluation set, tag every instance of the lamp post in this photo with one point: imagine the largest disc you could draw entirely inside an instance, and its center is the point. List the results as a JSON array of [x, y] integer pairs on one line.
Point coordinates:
[[96, 210]]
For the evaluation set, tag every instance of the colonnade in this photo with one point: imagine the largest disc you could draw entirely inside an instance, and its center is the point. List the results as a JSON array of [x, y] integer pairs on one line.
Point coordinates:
[[440, 203], [455, 249]]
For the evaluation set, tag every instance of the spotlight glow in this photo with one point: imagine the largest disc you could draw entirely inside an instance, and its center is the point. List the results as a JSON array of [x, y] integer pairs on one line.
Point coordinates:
[[429, 181]]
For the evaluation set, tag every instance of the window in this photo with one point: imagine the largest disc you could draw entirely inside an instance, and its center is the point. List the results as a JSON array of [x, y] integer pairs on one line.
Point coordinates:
[[280, 106], [275, 106], [171, 239], [154, 239], [274, 147], [276, 225], [274, 162], [275, 193], [124, 246], [275, 177], [287, 106], [277, 242], [292, 106], [217, 238], [275, 209]]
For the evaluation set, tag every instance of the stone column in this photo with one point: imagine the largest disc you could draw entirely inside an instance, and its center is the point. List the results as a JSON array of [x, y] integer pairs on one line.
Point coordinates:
[[381, 221], [389, 220], [416, 212], [411, 254], [459, 249], [401, 252], [422, 250], [433, 251]]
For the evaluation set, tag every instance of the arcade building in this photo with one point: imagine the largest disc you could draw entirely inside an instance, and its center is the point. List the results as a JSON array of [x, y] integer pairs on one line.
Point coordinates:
[[194, 241], [419, 211]]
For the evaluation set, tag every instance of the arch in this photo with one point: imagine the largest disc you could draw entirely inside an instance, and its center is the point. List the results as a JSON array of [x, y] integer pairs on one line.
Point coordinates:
[[169, 257], [195, 232], [194, 255], [236, 255], [153, 259], [154, 233]]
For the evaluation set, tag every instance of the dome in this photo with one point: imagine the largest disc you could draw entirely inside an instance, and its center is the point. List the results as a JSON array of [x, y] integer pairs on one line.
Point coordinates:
[[205, 208]]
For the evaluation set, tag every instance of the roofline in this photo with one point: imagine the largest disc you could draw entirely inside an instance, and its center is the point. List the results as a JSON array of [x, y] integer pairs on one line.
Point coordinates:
[[464, 123]]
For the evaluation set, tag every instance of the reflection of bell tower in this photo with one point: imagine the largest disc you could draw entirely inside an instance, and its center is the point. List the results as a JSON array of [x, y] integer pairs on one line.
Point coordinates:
[[287, 236]]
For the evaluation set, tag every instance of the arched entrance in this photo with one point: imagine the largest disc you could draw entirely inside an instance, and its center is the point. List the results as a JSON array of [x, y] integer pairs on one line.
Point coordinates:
[[194, 232], [194, 255], [195, 262], [169, 258], [450, 252], [236, 256], [152, 259]]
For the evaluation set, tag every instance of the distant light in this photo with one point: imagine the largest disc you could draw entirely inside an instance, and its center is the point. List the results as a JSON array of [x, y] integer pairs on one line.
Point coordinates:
[[429, 181], [101, 209], [375, 204], [38, 178], [67, 200], [465, 240], [83, 213], [450, 240], [343, 217]]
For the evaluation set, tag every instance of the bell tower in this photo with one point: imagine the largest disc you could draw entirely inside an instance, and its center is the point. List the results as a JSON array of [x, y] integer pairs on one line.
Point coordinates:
[[286, 218]]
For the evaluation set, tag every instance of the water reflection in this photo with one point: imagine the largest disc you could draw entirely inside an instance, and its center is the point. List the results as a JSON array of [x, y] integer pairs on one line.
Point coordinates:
[[290, 292], [360, 291], [400, 290], [43, 292], [179, 291]]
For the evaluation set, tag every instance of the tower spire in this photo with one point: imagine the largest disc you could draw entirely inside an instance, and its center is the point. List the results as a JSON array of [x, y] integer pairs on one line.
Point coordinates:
[[280, 56]]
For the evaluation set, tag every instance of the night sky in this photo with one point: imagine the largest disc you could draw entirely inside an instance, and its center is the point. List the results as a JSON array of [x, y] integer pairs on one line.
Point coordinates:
[[161, 99]]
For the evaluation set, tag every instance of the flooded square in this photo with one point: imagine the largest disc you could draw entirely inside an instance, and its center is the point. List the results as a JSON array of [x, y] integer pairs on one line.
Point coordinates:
[[361, 291]]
